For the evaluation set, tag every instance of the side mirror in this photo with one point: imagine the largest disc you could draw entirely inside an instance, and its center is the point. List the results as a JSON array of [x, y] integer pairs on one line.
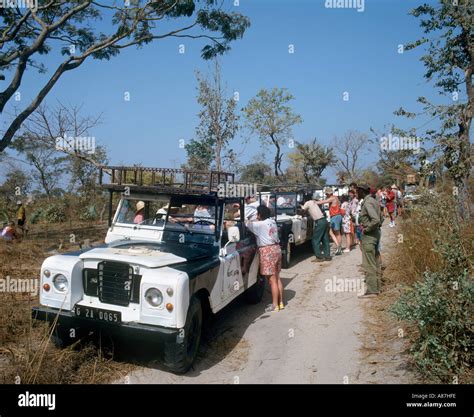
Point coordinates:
[[234, 234]]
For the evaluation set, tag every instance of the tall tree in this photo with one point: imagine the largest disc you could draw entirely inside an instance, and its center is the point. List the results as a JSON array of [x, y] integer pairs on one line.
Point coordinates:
[[16, 186], [56, 141], [311, 159], [270, 117], [449, 63], [256, 172], [48, 165], [70, 27], [218, 122], [349, 149], [199, 154]]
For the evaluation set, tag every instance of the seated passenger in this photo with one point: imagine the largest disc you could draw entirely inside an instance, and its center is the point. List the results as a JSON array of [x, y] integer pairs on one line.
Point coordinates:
[[140, 213], [281, 202], [162, 212], [202, 218], [205, 214], [250, 208]]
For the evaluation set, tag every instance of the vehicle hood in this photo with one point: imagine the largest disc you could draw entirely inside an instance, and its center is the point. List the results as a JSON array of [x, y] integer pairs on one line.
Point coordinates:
[[150, 255]]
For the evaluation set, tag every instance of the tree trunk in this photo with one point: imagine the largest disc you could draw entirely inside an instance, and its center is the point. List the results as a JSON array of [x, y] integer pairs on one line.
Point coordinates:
[[218, 155], [462, 181], [463, 198], [278, 156]]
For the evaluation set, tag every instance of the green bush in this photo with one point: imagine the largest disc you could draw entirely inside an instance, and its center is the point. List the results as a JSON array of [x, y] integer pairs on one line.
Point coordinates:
[[89, 213], [54, 213], [36, 216], [439, 304]]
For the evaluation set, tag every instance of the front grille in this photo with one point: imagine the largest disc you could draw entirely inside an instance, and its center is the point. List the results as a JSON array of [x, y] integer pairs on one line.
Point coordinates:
[[115, 283]]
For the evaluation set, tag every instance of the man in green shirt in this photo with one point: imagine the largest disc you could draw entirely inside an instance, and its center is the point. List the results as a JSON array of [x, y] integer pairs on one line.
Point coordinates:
[[370, 219]]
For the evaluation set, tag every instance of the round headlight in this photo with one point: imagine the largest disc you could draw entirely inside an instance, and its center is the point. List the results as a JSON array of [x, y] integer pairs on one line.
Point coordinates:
[[154, 297], [60, 283]]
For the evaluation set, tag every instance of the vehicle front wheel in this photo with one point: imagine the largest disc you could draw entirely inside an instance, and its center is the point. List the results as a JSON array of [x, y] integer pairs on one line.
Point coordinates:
[[287, 253], [255, 293], [180, 354]]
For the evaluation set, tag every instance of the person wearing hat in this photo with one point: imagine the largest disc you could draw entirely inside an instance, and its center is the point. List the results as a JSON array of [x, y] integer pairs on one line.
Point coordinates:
[[370, 220], [21, 216], [320, 238], [139, 213], [162, 212], [336, 218]]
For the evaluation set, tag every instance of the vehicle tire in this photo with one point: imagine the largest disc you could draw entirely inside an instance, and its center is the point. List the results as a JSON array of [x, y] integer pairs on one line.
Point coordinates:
[[255, 293], [287, 252], [180, 354]]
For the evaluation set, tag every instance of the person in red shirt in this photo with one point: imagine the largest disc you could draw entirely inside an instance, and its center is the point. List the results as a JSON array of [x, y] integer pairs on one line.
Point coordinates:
[[336, 218], [390, 204]]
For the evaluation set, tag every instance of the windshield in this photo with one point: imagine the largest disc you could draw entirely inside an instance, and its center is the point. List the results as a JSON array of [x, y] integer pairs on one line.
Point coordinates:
[[134, 211], [192, 219], [286, 203]]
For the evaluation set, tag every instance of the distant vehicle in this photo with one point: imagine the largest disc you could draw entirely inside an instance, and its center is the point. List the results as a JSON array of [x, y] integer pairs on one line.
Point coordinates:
[[155, 279], [411, 194], [295, 227]]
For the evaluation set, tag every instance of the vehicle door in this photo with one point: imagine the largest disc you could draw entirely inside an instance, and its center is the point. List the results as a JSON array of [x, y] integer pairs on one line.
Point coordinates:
[[238, 257]]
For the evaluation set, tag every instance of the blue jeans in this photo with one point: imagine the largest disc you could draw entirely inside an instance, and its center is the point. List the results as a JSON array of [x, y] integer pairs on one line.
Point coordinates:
[[336, 223]]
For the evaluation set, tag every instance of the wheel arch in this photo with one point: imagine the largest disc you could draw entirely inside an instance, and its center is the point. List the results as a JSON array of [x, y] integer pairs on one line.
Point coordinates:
[[203, 296]]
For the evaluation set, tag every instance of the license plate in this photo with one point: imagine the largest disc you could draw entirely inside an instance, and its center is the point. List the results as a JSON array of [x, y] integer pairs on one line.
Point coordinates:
[[98, 314]]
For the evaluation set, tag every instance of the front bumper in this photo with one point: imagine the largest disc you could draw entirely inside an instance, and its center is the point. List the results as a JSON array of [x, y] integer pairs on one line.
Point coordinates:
[[125, 329]]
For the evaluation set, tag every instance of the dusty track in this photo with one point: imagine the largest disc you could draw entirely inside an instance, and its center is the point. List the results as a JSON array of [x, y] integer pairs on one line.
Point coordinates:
[[321, 337]]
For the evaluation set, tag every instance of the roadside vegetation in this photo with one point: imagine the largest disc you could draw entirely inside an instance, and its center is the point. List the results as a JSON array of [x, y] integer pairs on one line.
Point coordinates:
[[26, 354], [432, 268]]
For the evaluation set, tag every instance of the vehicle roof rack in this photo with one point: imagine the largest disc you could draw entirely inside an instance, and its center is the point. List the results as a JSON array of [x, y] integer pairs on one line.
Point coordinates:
[[287, 187], [162, 180]]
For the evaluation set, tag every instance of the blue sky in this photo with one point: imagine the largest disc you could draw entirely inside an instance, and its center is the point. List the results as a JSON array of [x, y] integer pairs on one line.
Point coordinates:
[[335, 50]]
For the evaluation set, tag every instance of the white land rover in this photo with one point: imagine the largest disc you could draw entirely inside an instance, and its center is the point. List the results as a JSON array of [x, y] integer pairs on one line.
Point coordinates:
[[158, 272]]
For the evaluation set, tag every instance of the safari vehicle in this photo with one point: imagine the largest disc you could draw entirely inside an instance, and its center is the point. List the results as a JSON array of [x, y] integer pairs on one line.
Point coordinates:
[[155, 278], [294, 225]]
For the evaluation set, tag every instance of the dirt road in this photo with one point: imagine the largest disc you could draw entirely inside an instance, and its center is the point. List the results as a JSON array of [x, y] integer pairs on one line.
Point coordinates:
[[323, 336]]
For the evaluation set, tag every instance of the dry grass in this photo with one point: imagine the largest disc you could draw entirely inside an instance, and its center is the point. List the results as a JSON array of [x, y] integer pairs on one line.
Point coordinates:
[[406, 264], [26, 353], [381, 326], [416, 253]]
